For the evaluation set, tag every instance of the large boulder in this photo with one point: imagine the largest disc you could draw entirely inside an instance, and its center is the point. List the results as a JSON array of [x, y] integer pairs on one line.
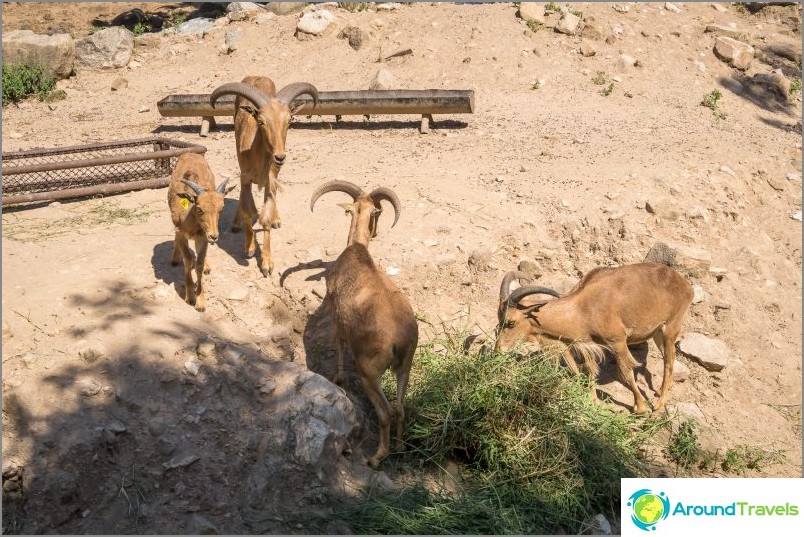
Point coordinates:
[[532, 12], [107, 49], [315, 22], [285, 8], [736, 53], [55, 53]]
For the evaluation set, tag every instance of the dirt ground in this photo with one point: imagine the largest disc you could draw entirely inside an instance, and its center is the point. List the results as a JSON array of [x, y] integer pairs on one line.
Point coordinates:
[[547, 169]]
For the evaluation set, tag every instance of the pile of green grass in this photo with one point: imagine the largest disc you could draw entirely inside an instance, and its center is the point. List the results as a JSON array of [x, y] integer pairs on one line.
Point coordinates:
[[538, 455], [21, 81]]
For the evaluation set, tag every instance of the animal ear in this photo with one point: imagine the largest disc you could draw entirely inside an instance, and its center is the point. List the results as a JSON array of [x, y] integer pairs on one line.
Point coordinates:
[[249, 109], [534, 308], [186, 196], [348, 207]]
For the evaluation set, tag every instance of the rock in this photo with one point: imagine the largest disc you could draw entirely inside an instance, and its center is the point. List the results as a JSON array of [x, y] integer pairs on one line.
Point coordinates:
[[383, 80], [719, 29], [531, 268], [357, 36], [206, 350], [119, 83], [621, 8], [110, 48], [699, 65], [157, 426], [89, 387], [230, 40], [736, 53], [264, 18], [694, 262], [587, 50], [593, 30], [143, 109], [200, 523], [55, 53], [388, 6], [670, 6], [285, 8], [663, 208], [796, 216], [776, 184], [480, 259], [719, 8], [238, 11], [624, 61], [680, 371], [180, 461], [568, 24], [712, 354], [777, 82], [532, 12], [689, 411], [793, 176], [698, 294], [728, 171], [116, 426], [198, 26], [192, 366], [315, 22], [266, 386], [599, 525], [165, 447]]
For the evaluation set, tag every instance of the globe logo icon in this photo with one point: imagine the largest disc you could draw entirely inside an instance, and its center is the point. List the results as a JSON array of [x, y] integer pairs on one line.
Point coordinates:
[[648, 508]]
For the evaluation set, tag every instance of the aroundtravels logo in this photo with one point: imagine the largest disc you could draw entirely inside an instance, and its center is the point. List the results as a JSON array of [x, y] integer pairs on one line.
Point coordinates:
[[648, 508]]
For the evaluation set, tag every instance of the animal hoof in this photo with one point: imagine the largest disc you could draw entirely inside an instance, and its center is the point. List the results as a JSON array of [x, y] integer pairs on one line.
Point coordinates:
[[374, 462], [266, 271], [641, 411], [276, 225], [207, 270]]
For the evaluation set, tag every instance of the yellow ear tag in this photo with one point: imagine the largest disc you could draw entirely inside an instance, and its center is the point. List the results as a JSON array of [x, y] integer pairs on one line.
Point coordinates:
[[185, 203]]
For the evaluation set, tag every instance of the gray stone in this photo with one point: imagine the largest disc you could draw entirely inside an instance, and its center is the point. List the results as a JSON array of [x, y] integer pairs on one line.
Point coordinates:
[[719, 8], [116, 426], [55, 53], [285, 8], [264, 18], [180, 461], [201, 524], [206, 350], [192, 366], [238, 11], [198, 26], [736, 53], [599, 525], [711, 353], [231, 39], [357, 36], [689, 411], [532, 12], [315, 22], [531, 268], [119, 84], [693, 262], [383, 80], [680, 371], [670, 6], [89, 387], [568, 24], [698, 294], [110, 48], [719, 29]]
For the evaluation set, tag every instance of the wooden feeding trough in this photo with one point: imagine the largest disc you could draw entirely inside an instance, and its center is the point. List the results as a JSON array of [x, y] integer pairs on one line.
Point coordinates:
[[335, 103], [86, 170]]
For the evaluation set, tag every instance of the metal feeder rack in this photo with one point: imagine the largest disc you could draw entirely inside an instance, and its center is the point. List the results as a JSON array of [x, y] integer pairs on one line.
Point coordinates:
[[87, 170]]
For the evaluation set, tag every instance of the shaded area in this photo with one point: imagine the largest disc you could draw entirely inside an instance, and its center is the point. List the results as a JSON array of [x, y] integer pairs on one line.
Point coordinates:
[[760, 93], [165, 16]]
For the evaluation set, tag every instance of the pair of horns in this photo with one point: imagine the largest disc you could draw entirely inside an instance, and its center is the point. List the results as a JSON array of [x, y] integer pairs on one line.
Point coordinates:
[[198, 189], [376, 195], [521, 292], [286, 95]]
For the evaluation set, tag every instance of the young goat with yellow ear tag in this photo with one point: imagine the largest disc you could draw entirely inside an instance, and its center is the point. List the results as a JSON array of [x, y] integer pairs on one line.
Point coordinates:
[[195, 207]]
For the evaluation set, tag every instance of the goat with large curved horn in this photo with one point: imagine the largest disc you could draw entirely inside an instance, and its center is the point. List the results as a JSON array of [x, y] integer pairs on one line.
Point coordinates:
[[384, 193], [508, 279], [528, 290]]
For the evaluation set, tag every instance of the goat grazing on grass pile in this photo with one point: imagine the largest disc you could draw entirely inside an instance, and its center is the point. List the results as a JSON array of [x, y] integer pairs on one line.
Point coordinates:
[[261, 120], [369, 312], [609, 309], [195, 207]]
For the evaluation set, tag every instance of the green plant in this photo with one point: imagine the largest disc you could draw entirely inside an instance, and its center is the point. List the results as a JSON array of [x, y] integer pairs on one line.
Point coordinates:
[[578, 14], [22, 80], [607, 91], [795, 85], [683, 447], [535, 26], [354, 6], [536, 84], [551, 7], [711, 101], [742, 458], [178, 18], [95, 28], [537, 455], [600, 78], [140, 29]]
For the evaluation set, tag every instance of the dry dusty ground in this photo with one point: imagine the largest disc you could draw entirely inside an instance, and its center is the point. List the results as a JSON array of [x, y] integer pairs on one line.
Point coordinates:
[[559, 175]]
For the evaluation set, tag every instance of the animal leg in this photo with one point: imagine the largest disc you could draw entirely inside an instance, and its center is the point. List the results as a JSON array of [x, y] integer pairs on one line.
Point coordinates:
[[175, 256], [339, 349], [625, 365], [666, 341], [374, 392], [402, 377], [187, 258], [200, 264], [266, 219], [245, 212]]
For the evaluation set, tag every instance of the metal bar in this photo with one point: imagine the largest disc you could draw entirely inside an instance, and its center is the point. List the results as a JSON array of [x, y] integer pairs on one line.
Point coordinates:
[[339, 103], [87, 191], [98, 161], [94, 147]]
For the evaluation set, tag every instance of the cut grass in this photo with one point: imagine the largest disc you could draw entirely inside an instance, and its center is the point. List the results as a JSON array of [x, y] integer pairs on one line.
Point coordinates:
[[537, 454]]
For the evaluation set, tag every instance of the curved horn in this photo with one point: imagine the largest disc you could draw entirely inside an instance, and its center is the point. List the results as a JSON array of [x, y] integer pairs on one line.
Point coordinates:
[[196, 188], [222, 187], [339, 186], [291, 91], [505, 287], [527, 290], [384, 193], [243, 90]]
